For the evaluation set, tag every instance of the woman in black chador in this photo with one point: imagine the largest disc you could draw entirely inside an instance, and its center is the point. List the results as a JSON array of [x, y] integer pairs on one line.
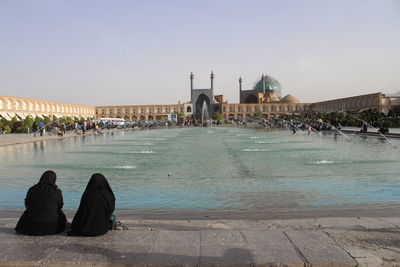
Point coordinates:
[[97, 205], [43, 214]]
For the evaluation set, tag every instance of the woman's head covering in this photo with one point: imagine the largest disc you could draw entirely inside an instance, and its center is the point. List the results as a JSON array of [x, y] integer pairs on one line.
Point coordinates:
[[47, 181], [48, 178], [100, 183], [94, 212]]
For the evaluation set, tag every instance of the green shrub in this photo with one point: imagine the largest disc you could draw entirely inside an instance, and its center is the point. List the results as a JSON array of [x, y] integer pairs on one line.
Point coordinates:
[[28, 122], [46, 120], [7, 129], [217, 116], [38, 120]]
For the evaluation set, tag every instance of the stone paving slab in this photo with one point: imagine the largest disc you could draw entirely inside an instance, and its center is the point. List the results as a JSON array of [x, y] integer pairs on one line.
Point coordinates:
[[174, 247], [318, 249], [309, 242], [272, 246], [223, 247]]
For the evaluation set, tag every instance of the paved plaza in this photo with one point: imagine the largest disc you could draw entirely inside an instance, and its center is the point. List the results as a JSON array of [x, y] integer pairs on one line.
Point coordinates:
[[298, 242]]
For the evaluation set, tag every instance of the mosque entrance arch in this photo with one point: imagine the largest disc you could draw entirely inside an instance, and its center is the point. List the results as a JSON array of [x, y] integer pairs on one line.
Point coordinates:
[[251, 99], [202, 100]]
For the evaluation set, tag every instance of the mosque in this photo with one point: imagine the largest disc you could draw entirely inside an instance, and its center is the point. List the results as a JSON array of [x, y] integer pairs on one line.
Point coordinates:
[[264, 99]]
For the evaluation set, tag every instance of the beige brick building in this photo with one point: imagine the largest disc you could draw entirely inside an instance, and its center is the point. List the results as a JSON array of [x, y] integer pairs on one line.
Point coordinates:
[[377, 102], [143, 112], [22, 107], [264, 98]]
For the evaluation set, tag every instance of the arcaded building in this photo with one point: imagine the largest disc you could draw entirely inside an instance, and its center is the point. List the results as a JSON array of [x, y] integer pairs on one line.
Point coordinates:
[[376, 102], [143, 112], [263, 99], [23, 107]]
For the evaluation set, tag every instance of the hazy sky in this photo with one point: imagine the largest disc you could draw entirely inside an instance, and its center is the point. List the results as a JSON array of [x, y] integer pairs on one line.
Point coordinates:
[[142, 52]]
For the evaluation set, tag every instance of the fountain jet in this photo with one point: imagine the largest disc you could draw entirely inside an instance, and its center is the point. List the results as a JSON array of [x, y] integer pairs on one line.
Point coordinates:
[[204, 113]]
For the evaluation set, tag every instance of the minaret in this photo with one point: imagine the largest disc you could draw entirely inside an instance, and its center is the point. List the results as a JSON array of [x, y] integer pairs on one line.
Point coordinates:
[[191, 86], [212, 80], [263, 83], [240, 88], [212, 86]]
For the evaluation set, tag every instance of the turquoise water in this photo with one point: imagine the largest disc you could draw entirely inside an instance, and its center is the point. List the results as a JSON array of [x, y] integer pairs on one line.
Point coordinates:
[[212, 169]]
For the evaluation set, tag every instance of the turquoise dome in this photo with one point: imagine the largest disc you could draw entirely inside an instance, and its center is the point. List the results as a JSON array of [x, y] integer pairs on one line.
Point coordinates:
[[270, 84]]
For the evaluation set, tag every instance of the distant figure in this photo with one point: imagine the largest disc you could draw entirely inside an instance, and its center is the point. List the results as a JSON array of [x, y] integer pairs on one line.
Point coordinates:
[[41, 128], [364, 128], [309, 130], [94, 212], [34, 129], [169, 174], [293, 129], [383, 129], [43, 214]]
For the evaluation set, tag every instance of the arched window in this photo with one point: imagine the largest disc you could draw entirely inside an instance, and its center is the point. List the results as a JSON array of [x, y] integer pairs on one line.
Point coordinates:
[[9, 105], [189, 109]]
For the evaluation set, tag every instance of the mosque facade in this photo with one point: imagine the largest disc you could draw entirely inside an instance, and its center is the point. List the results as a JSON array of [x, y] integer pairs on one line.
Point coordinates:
[[263, 99]]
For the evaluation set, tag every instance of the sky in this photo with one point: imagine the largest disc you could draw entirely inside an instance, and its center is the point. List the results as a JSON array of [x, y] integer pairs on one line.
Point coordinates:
[[142, 51]]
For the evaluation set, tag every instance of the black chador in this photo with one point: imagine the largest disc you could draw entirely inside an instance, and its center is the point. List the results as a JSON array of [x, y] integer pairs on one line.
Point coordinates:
[[97, 205], [43, 214]]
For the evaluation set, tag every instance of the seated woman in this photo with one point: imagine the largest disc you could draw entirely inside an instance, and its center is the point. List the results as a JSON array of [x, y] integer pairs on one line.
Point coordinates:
[[94, 212], [43, 214]]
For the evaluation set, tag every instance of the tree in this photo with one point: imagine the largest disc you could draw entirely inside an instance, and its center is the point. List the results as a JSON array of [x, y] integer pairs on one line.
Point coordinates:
[[46, 120], [38, 120], [14, 119], [218, 116], [258, 115], [179, 116], [28, 122]]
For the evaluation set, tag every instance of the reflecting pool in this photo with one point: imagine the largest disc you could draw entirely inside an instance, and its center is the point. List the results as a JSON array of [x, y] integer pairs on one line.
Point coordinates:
[[221, 170]]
